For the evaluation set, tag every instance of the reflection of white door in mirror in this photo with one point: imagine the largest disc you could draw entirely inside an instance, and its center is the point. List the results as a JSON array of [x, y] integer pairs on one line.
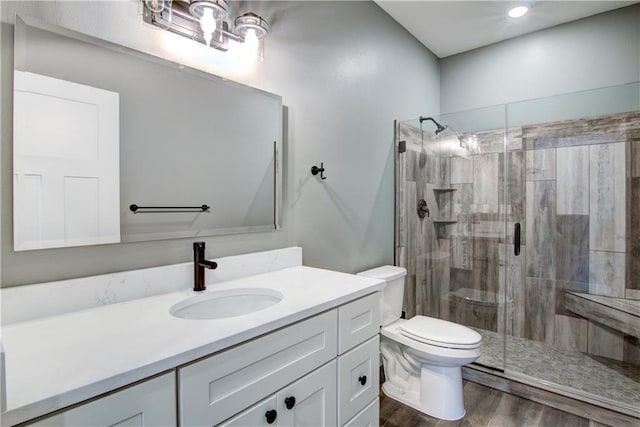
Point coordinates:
[[65, 164]]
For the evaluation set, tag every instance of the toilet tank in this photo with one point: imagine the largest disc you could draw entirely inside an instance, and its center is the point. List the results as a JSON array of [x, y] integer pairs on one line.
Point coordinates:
[[393, 295]]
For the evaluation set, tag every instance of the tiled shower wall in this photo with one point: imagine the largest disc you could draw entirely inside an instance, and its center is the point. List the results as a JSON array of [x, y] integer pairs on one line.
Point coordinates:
[[575, 188]]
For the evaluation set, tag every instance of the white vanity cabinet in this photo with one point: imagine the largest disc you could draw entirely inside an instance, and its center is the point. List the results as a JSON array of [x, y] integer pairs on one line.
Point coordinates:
[[323, 371], [151, 403]]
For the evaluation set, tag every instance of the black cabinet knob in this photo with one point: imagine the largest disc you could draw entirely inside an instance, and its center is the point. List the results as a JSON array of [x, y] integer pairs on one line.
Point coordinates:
[[363, 379], [271, 416], [290, 402]]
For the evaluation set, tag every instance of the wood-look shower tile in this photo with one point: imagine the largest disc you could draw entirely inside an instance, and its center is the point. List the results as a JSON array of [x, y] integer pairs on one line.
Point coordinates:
[[539, 309], [571, 333], [514, 137], [445, 172], [431, 276], [442, 266], [511, 290], [573, 180], [604, 341], [412, 230], [562, 289], [411, 163], [634, 155], [407, 131], [607, 273], [402, 219], [572, 248], [540, 229], [462, 200], [461, 170], [461, 252], [515, 199], [633, 237], [607, 197], [445, 203], [486, 182], [423, 296], [631, 349], [459, 279], [540, 165], [490, 142], [485, 265], [401, 256], [573, 141], [632, 293], [586, 131], [436, 169]]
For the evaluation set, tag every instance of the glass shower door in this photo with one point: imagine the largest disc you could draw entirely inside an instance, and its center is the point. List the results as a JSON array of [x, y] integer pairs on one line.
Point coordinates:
[[451, 208], [574, 326]]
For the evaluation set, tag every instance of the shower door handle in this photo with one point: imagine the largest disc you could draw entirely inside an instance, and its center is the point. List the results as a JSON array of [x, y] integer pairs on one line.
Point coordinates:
[[516, 239]]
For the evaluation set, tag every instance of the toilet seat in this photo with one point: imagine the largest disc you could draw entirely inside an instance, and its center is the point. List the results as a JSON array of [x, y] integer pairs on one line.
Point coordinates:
[[440, 333], [447, 355]]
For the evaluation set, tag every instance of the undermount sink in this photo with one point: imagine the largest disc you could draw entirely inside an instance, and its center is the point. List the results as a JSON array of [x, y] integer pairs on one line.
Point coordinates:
[[225, 303]]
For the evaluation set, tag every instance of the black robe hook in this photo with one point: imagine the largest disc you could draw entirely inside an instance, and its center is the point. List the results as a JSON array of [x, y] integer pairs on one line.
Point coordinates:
[[318, 170]]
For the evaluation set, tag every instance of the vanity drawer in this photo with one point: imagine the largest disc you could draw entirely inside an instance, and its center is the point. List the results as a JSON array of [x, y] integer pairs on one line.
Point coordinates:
[[222, 385], [368, 417], [358, 321], [151, 403], [358, 378]]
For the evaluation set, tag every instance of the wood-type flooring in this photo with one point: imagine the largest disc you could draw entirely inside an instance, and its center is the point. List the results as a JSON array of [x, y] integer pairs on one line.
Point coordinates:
[[485, 407]]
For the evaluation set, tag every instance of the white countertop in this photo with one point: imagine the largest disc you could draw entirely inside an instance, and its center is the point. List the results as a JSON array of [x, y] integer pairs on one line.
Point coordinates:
[[56, 361]]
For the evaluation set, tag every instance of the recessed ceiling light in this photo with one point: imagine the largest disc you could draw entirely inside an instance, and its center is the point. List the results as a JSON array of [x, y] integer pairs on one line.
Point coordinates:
[[518, 11]]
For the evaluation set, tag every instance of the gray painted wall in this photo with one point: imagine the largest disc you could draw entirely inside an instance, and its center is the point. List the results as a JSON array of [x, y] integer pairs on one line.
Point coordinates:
[[345, 71], [603, 50]]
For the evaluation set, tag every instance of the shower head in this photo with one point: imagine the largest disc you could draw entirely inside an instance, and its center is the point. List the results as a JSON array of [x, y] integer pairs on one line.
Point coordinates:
[[439, 128]]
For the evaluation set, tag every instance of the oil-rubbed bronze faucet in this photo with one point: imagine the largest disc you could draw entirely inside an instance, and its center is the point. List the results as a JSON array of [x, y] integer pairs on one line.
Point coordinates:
[[199, 264]]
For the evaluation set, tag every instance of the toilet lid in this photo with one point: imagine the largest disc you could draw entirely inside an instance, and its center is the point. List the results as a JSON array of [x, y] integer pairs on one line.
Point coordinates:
[[440, 333]]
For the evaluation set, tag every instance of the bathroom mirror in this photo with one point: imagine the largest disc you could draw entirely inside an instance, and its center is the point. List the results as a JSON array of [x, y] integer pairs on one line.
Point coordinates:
[[175, 139]]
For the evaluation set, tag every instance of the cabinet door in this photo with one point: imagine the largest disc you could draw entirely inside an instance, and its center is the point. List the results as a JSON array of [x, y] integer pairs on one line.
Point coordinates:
[[151, 404], [368, 417], [358, 379], [262, 413], [310, 401]]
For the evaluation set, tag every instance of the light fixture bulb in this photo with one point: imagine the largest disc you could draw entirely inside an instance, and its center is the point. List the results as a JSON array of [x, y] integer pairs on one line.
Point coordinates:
[[518, 11], [155, 6], [251, 41], [208, 24]]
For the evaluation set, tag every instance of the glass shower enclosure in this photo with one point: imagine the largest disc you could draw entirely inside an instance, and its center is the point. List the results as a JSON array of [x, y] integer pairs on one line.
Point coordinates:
[[522, 221]]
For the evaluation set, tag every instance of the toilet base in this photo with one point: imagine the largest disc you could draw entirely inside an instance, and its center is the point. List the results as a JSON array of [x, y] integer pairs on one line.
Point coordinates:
[[440, 393]]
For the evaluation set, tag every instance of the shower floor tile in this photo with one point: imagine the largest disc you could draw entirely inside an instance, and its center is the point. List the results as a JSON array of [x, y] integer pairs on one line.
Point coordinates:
[[591, 375]]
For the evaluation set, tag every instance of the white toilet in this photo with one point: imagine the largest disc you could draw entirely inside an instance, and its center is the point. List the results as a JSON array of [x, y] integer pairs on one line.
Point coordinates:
[[422, 356]]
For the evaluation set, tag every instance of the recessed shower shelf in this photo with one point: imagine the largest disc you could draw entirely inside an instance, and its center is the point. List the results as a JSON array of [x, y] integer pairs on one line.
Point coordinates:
[[444, 221], [443, 190]]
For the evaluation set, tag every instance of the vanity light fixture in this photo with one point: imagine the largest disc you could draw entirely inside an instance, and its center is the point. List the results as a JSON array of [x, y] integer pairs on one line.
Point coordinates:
[[207, 22], [518, 11]]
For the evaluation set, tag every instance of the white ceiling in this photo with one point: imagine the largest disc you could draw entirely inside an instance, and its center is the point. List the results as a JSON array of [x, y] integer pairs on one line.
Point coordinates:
[[450, 27]]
